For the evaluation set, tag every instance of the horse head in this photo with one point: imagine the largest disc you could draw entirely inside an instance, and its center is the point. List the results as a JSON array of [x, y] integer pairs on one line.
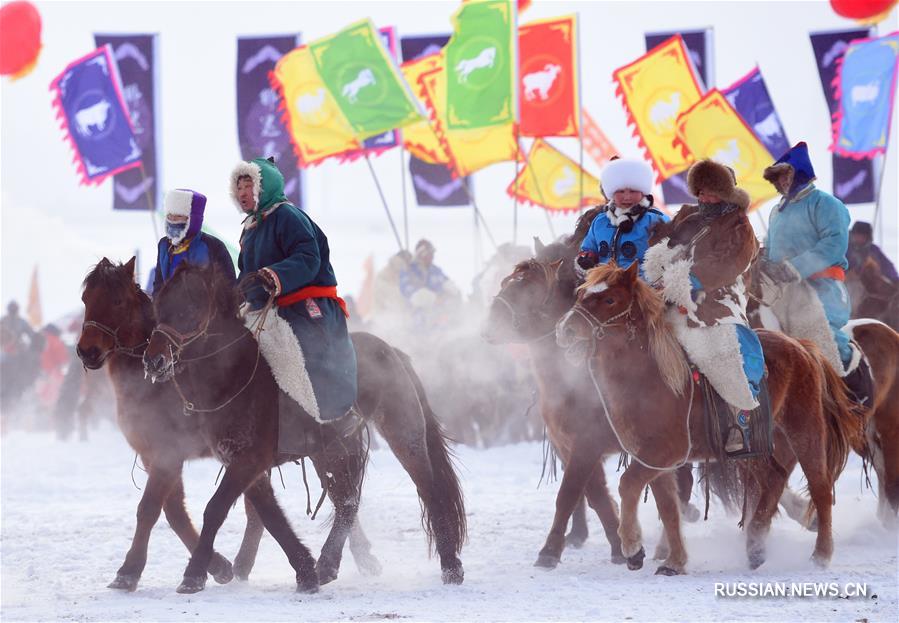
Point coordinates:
[[117, 314], [185, 306], [527, 305]]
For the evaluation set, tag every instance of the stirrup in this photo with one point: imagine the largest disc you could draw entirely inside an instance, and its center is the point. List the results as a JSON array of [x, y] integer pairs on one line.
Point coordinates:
[[736, 442]]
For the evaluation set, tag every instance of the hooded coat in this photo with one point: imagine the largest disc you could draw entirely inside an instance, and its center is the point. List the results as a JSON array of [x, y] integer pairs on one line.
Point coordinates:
[[809, 230], [280, 237]]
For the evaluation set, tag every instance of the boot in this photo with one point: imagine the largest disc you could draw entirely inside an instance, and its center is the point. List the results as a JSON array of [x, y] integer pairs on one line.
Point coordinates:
[[342, 428], [860, 384], [737, 441]]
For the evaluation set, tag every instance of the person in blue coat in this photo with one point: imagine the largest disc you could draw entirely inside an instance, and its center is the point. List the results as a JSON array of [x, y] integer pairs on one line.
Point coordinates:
[[808, 235], [184, 242], [621, 231], [290, 255]]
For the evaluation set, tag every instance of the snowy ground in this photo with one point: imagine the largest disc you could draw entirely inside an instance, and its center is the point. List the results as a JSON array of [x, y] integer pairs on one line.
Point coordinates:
[[68, 515]]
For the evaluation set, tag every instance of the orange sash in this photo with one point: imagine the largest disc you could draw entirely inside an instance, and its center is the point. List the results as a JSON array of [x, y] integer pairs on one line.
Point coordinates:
[[312, 292]]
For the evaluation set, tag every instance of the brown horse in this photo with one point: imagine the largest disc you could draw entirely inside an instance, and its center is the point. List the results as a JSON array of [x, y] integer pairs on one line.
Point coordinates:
[[873, 295], [118, 322], [229, 388], [642, 378]]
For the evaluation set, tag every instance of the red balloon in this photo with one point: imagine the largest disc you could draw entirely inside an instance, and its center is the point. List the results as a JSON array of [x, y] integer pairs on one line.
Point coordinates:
[[20, 37], [861, 9]]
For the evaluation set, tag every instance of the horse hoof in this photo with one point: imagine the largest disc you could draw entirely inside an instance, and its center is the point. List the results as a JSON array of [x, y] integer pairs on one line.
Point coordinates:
[[690, 513], [326, 573], [618, 559], [546, 561], [821, 562], [369, 565], [190, 585], [453, 575], [124, 582], [665, 570], [636, 561], [220, 569], [575, 540], [756, 560], [308, 583]]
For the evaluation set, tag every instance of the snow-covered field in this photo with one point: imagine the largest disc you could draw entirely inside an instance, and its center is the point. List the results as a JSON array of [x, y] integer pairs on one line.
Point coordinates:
[[68, 516]]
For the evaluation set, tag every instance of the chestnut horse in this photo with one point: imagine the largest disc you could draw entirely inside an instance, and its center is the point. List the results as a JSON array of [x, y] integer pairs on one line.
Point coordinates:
[[873, 295], [216, 366], [644, 384], [118, 320]]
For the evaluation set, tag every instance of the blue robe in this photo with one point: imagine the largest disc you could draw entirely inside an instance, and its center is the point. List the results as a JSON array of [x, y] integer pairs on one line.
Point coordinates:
[[604, 239], [203, 249]]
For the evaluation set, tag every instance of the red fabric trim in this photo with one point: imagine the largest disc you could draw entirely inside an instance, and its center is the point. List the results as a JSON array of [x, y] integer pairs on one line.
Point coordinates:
[[313, 292], [831, 272]]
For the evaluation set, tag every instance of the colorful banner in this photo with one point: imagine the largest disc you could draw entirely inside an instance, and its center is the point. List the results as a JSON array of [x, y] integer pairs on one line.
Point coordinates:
[[700, 52], [749, 97], [713, 129], [318, 129], [88, 100], [853, 180], [468, 150], [865, 87], [548, 88], [552, 180], [655, 89], [481, 66], [596, 143], [364, 80], [434, 184], [135, 57], [260, 129]]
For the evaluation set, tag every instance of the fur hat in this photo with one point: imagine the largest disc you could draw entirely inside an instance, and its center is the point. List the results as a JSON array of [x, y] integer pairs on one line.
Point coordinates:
[[798, 160], [626, 173], [189, 203], [862, 228], [716, 178]]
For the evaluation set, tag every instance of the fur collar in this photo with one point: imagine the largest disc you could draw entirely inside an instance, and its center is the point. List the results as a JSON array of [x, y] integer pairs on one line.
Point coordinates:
[[252, 170], [618, 215]]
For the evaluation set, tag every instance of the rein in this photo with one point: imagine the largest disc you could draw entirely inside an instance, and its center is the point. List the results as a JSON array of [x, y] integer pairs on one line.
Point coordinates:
[[131, 351]]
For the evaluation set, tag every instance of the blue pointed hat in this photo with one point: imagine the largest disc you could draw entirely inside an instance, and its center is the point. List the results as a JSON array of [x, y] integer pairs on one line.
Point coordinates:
[[797, 159]]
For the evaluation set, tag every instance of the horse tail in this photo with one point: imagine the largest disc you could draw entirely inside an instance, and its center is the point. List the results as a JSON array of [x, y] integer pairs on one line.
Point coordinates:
[[845, 422], [447, 491]]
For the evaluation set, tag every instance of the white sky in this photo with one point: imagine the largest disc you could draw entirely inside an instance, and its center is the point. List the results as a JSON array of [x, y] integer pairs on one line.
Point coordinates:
[[51, 221]]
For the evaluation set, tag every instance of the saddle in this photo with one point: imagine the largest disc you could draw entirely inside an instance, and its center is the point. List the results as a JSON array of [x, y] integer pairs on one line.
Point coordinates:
[[719, 419]]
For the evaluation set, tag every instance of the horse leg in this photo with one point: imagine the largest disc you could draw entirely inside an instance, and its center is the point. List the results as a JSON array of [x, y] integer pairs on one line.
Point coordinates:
[[771, 478], [684, 475], [574, 480], [579, 531], [606, 509], [343, 477], [360, 548], [665, 492], [249, 546], [630, 488], [160, 480], [180, 522]]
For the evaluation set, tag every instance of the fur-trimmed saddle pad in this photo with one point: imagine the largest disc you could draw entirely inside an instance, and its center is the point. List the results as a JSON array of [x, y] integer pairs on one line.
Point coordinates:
[[284, 355], [719, 419]]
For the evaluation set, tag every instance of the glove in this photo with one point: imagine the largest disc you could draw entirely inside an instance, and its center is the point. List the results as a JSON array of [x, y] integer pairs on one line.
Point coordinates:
[[780, 272], [268, 280], [584, 262]]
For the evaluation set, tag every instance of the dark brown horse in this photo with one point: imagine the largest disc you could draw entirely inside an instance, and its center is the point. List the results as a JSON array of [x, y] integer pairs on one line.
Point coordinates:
[[873, 295], [229, 388], [118, 322], [641, 376]]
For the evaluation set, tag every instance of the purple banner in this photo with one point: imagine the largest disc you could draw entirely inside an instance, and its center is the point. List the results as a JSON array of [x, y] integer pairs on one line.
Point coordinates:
[[699, 48], [853, 180], [259, 127], [433, 183], [135, 56], [88, 100], [750, 98]]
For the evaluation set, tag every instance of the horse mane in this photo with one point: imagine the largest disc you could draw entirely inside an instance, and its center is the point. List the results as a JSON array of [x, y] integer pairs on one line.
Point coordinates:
[[225, 295], [665, 348], [108, 276]]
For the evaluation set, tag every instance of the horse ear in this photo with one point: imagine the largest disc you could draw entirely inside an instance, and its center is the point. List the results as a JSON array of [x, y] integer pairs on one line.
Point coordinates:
[[129, 265], [633, 272], [104, 262], [538, 246]]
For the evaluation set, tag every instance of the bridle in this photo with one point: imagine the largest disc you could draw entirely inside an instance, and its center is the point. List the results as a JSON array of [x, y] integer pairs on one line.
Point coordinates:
[[177, 340], [599, 326], [532, 317], [131, 351]]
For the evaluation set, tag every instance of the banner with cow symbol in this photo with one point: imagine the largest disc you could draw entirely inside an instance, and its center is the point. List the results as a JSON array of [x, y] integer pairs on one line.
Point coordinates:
[[548, 89], [135, 56], [853, 180], [434, 184], [260, 131], [88, 101]]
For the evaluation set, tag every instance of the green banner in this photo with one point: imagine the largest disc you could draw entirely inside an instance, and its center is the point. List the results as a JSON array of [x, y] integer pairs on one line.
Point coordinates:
[[363, 79], [481, 66]]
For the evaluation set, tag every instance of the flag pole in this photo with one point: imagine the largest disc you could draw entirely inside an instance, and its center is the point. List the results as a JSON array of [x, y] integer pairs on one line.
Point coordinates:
[[580, 116], [151, 205], [405, 201], [875, 222], [515, 194], [374, 177], [479, 216]]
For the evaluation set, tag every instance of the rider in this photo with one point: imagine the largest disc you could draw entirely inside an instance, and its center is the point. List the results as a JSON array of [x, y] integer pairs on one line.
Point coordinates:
[[16, 333], [424, 284], [184, 242], [621, 231], [862, 247], [290, 255], [700, 267], [808, 235]]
